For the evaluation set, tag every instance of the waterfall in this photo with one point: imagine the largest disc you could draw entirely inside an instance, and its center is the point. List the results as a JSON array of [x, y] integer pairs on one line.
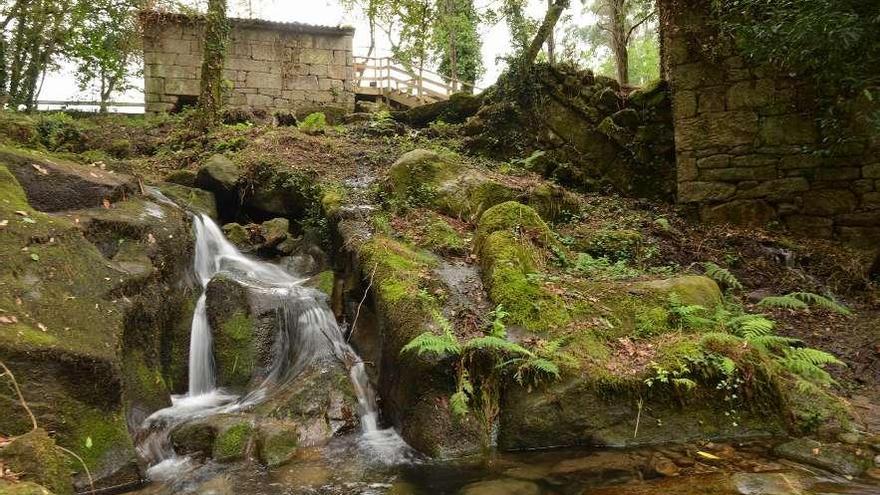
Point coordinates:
[[307, 331]]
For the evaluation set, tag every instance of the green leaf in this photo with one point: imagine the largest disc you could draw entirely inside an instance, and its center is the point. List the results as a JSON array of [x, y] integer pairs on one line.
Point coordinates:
[[35, 256], [88, 442]]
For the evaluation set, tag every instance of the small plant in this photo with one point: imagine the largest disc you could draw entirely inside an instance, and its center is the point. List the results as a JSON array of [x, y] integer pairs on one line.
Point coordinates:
[[483, 361], [804, 300], [603, 269], [722, 276], [314, 123]]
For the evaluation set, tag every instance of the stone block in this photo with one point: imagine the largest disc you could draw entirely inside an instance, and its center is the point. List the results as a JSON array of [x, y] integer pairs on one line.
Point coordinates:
[[188, 60], [293, 95], [838, 173], [752, 213], [788, 129], [329, 84], [699, 191], [264, 52], [318, 57], [245, 64], [339, 72], [829, 202], [695, 75], [175, 86], [259, 101], [327, 42], [862, 219], [722, 129], [870, 201], [154, 85], [684, 104], [714, 161], [274, 92], [686, 167], [341, 57], [738, 173], [801, 160], [810, 226], [754, 161], [174, 72], [319, 70], [305, 83], [710, 100], [263, 80], [871, 171], [750, 94], [778, 189]]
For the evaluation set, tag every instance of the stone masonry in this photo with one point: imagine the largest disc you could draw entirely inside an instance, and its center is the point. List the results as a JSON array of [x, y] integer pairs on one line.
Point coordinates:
[[271, 66], [749, 149]]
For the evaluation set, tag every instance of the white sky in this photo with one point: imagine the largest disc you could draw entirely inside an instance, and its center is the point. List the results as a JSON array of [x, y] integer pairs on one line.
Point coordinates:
[[496, 39]]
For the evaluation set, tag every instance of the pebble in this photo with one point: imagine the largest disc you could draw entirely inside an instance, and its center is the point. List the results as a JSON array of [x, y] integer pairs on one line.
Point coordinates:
[[663, 466], [873, 473]]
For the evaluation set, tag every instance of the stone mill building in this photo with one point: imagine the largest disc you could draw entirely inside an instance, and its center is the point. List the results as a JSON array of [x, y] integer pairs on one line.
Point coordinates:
[[271, 66]]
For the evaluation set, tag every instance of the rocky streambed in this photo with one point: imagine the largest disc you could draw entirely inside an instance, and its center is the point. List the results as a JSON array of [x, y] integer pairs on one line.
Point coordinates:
[[502, 332]]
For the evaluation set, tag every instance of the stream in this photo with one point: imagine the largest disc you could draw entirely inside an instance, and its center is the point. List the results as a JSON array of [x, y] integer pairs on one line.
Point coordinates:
[[376, 460]]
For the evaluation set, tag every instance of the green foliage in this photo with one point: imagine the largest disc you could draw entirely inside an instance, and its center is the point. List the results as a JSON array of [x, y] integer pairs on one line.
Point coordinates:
[[722, 276], [603, 269], [314, 123], [456, 41], [804, 300]]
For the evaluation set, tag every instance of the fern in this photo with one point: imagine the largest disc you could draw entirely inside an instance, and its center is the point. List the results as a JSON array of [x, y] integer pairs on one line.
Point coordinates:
[[750, 326], [803, 300], [430, 343], [492, 343], [822, 302], [722, 276]]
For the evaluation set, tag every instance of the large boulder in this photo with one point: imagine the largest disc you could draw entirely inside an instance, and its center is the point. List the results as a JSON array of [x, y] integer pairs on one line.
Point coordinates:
[[219, 174], [37, 459], [191, 198], [53, 184], [92, 297]]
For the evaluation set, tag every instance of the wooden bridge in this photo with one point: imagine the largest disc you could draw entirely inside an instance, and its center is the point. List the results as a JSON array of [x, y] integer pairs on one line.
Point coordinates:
[[382, 78]]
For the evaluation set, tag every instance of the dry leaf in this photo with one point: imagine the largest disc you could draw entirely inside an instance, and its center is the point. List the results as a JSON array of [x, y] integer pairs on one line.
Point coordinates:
[[41, 327], [40, 169], [9, 320], [4, 223], [22, 213], [106, 203]]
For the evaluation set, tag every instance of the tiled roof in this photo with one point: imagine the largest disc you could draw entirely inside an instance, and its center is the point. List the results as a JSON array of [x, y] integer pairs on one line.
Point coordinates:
[[295, 27]]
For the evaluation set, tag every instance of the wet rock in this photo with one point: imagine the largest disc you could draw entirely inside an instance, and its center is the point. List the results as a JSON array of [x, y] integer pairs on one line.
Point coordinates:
[[238, 235], [286, 193], [194, 438], [37, 458], [663, 466], [219, 174], [768, 483], [191, 198], [274, 231], [833, 457], [277, 441], [55, 185], [501, 487], [183, 177]]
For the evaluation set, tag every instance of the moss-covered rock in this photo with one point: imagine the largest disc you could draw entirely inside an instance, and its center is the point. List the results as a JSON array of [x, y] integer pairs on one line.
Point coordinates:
[[416, 175], [277, 442], [218, 174], [469, 194], [94, 294], [274, 231], [35, 457], [553, 203], [237, 234], [183, 177], [233, 441], [55, 185], [614, 244], [841, 459], [282, 192], [191, 198], [512, 216], [688, 289], [22, 488]]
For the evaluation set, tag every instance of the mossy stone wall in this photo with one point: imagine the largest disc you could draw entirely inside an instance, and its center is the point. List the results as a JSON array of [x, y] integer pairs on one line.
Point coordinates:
[[269, 65], [749, 147]]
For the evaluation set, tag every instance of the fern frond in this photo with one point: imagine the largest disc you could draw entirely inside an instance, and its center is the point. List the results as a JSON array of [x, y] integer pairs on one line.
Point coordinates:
[[821, 301], [786, 302], [815, 356], [491, 342], [544, 366], [722, 276], [751, 326], [686, 383], [430, 343], [459, 403], [770, 342]]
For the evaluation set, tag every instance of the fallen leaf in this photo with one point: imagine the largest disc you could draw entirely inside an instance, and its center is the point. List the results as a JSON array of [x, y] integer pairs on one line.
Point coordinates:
[[9, 320], [35, 256], [42, 327], [106, 203], [706, 455], [28, 220], [40, 169], [21, 212], [4, 223]]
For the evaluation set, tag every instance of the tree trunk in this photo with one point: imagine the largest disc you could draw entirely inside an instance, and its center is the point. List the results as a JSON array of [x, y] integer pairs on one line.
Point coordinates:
[[554, 12], [551, 42], [213, 56], [619, 40]]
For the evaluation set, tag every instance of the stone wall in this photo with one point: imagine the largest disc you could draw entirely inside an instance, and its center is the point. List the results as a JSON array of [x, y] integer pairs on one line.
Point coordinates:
[[272, 66], [749, 148]]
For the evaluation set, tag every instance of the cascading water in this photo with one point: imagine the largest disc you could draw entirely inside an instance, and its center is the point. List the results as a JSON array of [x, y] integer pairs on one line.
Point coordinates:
[[307, 332]]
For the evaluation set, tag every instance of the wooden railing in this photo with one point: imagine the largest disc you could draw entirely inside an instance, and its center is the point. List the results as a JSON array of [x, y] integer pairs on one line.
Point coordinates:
[[383, 75]]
